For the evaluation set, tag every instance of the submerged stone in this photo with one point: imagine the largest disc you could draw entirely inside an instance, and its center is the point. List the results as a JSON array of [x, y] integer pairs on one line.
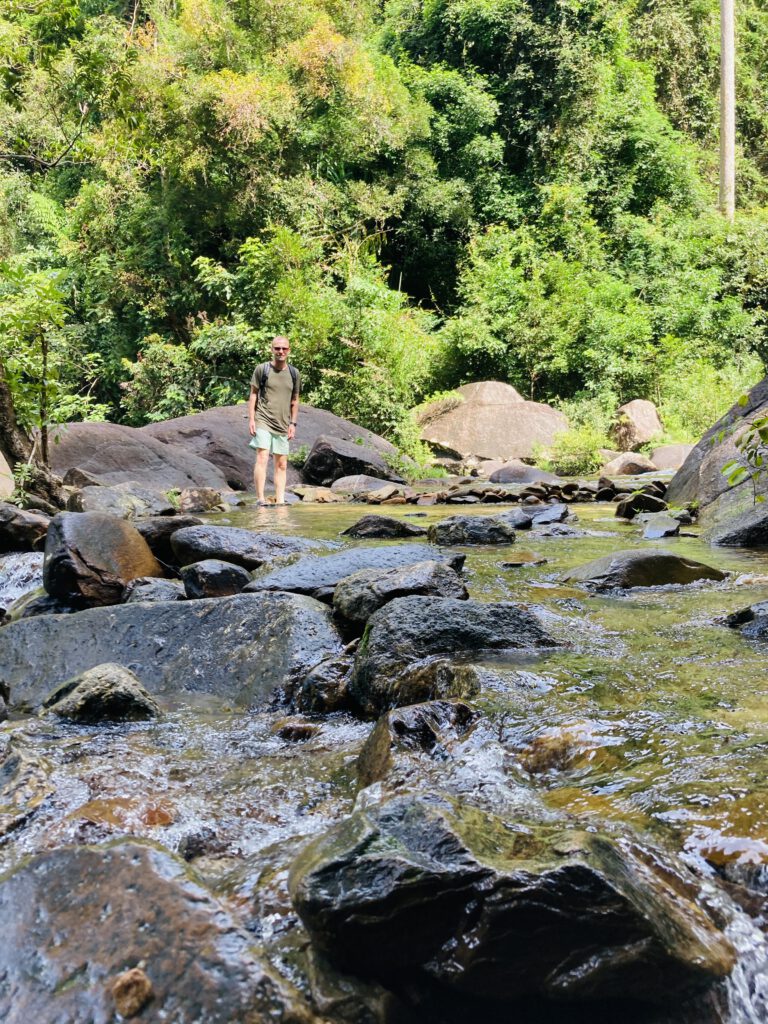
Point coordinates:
[[247, 548]]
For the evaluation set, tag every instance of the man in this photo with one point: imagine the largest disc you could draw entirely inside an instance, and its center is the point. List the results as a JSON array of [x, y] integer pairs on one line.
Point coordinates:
[[273, 410]]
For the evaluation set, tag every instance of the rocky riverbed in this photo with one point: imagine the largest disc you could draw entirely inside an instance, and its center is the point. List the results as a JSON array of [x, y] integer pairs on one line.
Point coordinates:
[[569, 825]]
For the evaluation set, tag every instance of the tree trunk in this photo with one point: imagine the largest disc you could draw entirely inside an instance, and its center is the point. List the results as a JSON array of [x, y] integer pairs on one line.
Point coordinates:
[[17, 449], [727, 111]]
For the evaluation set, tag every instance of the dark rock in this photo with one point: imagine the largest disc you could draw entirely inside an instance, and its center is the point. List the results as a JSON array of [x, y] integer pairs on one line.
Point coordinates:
[[423, 728], [752, 621], [640, 568], [326, 688], [199, 499], [21, 530], [149, 588], [389, 670], [332, 458], [420, 891], [358, 596], [517, 472], [660, 526], [115, 454], [605, 494], [247, 548], [518, 518], [199, 843], [129, 500], [640, 502], [745, 530], [39, 603], [105, 693], [213, 578], [295, 730], [319, 574], [384, 527], [249, 649], [90, 556], [157, 532], [79, 478], [472, 530], [200, 964], [552, 514], [221, 437]]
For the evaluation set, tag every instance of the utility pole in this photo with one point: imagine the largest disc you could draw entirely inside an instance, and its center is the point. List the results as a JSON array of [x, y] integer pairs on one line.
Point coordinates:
[[727, 111]]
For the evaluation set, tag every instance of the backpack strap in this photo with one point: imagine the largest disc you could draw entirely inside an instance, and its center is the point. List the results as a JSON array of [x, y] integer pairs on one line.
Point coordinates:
[[265, 368], [294, 376]]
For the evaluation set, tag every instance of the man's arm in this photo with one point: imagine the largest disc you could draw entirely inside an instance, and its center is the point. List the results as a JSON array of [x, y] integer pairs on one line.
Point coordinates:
[[294, 417], [253, 400]]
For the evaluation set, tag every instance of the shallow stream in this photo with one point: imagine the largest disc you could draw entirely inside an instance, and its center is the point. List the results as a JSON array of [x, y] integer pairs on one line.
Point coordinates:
[[652, 713]]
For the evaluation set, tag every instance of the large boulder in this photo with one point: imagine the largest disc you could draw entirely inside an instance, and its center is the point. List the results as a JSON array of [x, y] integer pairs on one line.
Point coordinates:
[[358, 596], [21, 530], [246, 649], [127, 500], [332, 458], [517, 472], [247, 548], [748, 529], [636, 423], [221, 437], [391, 666], [7, 483], [213, 578], [318, 575], [112, 930], [490, 421], [628, 464], [670, 456], [701, 478], [115, 454], [158, 530], [421, 892], [89, 558], [640, 568]]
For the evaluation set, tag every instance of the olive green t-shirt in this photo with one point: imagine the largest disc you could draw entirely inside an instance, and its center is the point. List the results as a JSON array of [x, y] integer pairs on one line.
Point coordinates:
[[274, 411]]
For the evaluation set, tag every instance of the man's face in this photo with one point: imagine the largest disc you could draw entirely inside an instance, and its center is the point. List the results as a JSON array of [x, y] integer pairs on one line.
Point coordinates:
[[280, 350]]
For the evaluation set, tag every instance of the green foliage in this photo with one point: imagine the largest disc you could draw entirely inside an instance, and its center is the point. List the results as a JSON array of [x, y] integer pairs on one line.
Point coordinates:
[[752, 460], [298, 456], [576, 451]]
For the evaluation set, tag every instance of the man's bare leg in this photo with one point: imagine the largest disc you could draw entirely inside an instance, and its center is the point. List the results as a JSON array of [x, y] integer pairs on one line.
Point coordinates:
[[260, 472], [281, 469]]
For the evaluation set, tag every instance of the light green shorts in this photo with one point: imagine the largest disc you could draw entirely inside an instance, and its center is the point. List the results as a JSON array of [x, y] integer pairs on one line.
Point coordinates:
[[276, 444]]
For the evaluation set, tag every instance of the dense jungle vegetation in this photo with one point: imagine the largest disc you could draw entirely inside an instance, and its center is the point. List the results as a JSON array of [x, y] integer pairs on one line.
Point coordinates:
[[420, 192]]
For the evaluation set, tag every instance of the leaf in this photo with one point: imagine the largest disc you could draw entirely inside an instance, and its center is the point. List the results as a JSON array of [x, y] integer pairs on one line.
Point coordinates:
[[737, 476], [743, 399]]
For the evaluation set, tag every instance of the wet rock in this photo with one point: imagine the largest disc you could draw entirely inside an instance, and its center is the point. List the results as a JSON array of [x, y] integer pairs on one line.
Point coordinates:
[[358, 596], [472, 530], [197, 844], [326, 688], [231, 544], [628, 464], [640, 502], [660, 526], [90, 556], [200, 965], [37, 602], [131, 991], [421, 728], [636, 423], [319, 575], [21, 573], [129, 500], [213, 578], [200, 499], [249, 649], [21, 530], [322, 495], [390, 667], [419, 891], [75, 477], [519, 518], [386, 527], [746, 530], [149, 588], [295, 730], [332, 458], [25, 780], [158, 530], [105, 693], [640, 568], [551, 514], [752, 621]]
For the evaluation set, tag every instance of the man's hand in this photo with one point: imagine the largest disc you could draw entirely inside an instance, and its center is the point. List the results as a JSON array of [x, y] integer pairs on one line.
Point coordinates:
[[291, 432], [252, 427]]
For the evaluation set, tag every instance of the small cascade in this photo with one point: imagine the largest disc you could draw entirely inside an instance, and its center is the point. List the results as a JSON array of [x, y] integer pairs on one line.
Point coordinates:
[[747, 986], [20, 573]]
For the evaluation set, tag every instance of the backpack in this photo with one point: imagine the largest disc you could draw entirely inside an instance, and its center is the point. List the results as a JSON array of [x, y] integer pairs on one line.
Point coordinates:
[[265, 371]]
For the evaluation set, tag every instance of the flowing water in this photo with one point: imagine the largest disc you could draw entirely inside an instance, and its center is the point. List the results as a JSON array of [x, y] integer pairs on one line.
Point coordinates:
[[652, 713]]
